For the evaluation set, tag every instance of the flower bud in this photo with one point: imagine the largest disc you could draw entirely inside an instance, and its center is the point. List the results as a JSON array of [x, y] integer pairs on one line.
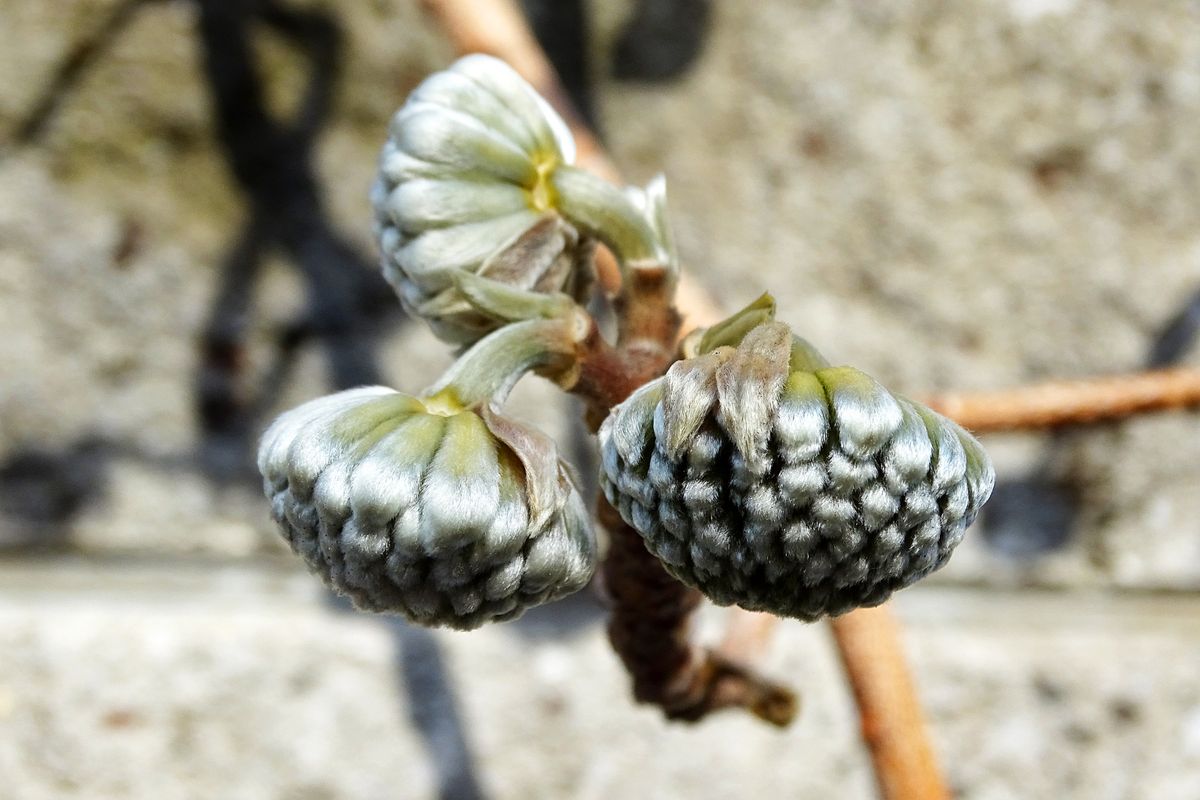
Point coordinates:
[[463, 186], [768, 479], [425, 508], [475, 178]]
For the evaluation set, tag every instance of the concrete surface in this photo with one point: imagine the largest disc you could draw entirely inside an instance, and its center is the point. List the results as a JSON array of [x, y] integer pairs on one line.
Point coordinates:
[[180, 680]]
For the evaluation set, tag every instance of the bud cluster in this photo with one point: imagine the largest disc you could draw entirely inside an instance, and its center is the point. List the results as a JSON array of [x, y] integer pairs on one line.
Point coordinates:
[[753, 470]]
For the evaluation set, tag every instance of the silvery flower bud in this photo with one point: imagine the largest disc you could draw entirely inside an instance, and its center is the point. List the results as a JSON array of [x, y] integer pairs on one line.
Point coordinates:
[[422, 507], [768, 479], [475, 177], [462, 186]]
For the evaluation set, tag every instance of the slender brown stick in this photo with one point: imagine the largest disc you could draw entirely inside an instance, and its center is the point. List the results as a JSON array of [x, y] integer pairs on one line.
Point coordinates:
[[1056, 403], [905, 767], [748, 635], [497, 27]]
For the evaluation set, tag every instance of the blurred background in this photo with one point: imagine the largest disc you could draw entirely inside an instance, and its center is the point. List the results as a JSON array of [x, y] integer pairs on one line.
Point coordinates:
[[950, 195]]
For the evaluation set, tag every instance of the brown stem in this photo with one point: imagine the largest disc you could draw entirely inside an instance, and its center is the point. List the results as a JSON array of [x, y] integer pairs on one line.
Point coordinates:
[[648, 329], [646, 311], [748, 634], [607, 375], [1071, 402], [869, 642], [868, 639], [651, 632], [650, 626]]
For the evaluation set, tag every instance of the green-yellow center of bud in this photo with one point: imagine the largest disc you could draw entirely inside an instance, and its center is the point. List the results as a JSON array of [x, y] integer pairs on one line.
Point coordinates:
[[444, 403], [541, 194]]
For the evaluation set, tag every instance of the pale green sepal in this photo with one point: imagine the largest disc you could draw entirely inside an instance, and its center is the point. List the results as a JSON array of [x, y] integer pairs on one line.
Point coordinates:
[[428, 258], [453, 90], [509, 303], [421, 204], [493, 365], [600, 208], [459, 142], [748, 389], [516, 94], [460, 493], [651, 201], [865, 414], [730, 331], [804, 357]]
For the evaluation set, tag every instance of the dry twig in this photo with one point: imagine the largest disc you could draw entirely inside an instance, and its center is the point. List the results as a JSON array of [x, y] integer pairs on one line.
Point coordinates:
[[650, 629], [869, 643], [1055, 403], [651, 611], [651, 633]]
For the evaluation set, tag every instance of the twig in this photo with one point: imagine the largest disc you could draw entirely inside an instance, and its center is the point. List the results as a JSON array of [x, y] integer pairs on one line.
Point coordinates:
[[497, 27], [650, 626], [748, 635], [1047, 405], [869, 643]]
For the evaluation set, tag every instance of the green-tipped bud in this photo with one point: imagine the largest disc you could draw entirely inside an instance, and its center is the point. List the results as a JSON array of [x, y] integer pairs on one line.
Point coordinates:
[[768, 479], [421, 507], [463, 187], [475, 177]]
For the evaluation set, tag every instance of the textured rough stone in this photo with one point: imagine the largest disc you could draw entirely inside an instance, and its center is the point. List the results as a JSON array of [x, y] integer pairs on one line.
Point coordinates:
[[243, 684], [167, 695], [1084, 696], [981, 189], [105, 288]]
